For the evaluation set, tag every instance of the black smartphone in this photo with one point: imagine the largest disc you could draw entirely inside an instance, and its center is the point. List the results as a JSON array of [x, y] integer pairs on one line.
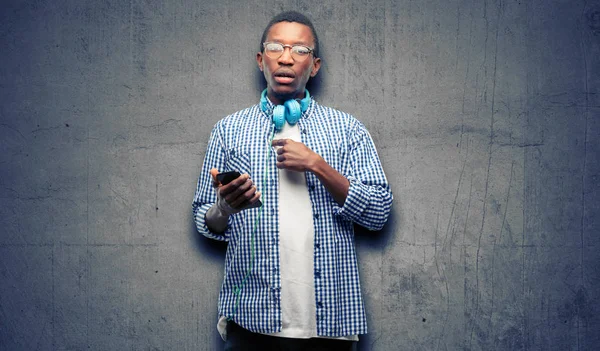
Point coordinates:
[[227, 177]]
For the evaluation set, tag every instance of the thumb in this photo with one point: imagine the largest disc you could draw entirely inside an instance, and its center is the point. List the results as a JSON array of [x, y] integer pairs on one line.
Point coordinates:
[[213, 173]]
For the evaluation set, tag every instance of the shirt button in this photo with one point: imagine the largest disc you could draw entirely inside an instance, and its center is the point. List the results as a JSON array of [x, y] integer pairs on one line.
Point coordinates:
[[317, 245], [319, 304], [312, 187], [316, 216]]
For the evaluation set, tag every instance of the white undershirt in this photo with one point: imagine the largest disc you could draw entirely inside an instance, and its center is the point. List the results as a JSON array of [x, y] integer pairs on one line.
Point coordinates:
[[296, 250], [296, 254]]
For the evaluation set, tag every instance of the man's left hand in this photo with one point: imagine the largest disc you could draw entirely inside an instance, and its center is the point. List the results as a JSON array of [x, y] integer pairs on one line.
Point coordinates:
[[298, 157], [295, 156]]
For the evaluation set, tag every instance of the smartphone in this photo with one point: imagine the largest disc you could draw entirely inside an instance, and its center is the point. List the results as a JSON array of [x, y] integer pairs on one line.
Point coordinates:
[[227, 177]]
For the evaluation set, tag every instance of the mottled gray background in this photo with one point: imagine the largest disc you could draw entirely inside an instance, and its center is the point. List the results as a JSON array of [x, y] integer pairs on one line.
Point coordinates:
[[485, 115]]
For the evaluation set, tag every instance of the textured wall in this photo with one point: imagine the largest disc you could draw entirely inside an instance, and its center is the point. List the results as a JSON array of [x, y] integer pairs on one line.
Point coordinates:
[[486, 115]]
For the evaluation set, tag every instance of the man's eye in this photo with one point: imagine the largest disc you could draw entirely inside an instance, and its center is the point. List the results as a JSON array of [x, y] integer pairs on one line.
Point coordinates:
[[274, 47], [301, 50]]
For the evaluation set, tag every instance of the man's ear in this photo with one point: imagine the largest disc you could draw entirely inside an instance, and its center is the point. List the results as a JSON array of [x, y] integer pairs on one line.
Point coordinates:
[[259, 61], [315, 67]]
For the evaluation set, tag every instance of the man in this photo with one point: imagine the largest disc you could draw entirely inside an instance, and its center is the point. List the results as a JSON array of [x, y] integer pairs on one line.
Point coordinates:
[[308, 173]]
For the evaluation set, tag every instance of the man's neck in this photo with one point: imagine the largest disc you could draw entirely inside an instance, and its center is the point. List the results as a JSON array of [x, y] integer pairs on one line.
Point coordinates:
[[281, 99]]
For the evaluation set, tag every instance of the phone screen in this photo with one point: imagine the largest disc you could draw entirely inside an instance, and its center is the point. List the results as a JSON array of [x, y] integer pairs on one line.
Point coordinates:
[[227, 177]]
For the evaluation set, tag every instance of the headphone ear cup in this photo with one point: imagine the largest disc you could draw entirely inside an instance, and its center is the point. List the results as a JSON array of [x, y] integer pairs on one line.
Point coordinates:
[[293, 111], [279, 116]]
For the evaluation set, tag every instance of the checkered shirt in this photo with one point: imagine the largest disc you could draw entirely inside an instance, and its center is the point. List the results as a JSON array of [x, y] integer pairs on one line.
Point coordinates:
[[241, 142]]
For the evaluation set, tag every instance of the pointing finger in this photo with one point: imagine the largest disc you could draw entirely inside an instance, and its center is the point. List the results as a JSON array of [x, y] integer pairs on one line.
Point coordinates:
[[279, 142]]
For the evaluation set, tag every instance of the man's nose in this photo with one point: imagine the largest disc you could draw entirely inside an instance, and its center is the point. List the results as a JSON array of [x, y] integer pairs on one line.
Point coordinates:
[[286, 57]]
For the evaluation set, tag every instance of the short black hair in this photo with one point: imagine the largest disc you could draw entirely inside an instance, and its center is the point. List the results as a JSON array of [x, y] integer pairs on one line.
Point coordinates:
[[291, 16]]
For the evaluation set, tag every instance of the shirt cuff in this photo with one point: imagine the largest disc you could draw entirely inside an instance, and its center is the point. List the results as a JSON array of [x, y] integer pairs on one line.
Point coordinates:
[[356, 201], [200, 219]]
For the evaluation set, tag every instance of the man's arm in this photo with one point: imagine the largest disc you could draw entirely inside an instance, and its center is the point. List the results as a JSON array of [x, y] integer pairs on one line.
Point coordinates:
[[298, 157], [369, 199], [205, 196], [363, 196]]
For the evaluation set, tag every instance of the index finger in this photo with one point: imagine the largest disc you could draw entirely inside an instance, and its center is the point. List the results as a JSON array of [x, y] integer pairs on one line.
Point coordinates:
[[279, 142]]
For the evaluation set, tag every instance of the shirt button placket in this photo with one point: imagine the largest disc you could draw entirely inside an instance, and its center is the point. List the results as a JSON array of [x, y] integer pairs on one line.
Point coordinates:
[[276, 296]]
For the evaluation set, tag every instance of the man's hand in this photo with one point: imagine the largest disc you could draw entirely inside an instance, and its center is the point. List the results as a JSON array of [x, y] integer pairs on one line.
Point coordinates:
[[296, 156], [232, 198], [235, 196]]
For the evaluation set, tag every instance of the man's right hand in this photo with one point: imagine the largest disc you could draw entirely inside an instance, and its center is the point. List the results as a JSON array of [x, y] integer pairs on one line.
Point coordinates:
[[235, 196]]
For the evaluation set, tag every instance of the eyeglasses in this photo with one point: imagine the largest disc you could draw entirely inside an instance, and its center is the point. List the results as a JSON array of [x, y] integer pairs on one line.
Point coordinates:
[[299, 52]]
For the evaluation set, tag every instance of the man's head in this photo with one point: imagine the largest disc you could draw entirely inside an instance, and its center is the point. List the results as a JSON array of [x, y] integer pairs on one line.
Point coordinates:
[[287, 72], [291, 16]]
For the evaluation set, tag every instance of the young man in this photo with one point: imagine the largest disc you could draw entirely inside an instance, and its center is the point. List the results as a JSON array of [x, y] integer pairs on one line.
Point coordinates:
[[308, 173]]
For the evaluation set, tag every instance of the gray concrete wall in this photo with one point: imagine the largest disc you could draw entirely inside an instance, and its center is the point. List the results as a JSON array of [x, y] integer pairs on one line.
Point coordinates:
[[485, 115]]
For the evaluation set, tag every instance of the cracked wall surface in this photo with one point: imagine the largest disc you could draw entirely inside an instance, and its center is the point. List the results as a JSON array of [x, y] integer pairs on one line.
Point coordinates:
[[486, 116]]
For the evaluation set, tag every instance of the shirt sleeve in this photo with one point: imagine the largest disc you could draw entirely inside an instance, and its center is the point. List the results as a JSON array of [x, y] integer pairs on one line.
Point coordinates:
[[205, 195], [369, 197]]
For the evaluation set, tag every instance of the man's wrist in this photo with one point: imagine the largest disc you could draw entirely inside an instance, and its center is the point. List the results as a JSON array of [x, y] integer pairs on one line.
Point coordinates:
[[215, 219], [317, 166], [220, 210]]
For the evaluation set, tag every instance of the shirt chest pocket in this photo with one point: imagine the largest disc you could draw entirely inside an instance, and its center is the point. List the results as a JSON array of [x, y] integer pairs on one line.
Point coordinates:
[[238, 159]]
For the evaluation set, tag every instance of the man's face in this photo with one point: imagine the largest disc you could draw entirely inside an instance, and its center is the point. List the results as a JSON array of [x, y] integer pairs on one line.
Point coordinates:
[[286, 77]]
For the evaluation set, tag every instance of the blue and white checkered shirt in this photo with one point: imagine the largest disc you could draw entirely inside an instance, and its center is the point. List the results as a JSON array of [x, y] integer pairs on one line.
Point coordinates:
[[241, 142]]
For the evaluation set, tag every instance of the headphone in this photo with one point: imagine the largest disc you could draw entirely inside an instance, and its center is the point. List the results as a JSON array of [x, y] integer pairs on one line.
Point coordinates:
[[290, 111]]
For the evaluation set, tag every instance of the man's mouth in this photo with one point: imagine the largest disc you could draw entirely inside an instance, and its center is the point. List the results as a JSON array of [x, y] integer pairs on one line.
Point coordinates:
[[284, 77]]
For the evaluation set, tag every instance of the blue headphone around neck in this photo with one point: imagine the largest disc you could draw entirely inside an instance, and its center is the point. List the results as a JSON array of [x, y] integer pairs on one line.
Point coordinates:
[[290, 111]]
